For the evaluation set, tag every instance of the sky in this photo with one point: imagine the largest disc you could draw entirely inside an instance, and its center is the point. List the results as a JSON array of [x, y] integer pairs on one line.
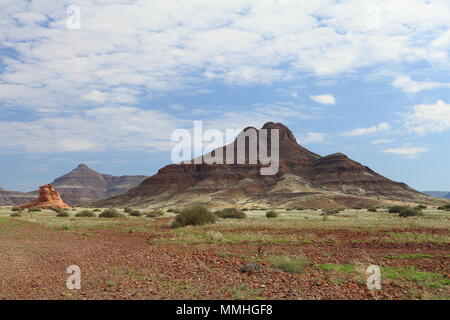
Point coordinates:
[[105, 83]]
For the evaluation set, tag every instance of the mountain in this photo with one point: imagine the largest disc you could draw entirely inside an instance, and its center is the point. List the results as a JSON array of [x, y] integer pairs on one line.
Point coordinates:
[[13, 198], [304, 179], [80, 186], [438, 194], [83, 185]]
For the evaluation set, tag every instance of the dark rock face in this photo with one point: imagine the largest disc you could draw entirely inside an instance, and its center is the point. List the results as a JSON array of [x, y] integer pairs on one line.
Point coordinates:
[[302, 175], [83, 185]]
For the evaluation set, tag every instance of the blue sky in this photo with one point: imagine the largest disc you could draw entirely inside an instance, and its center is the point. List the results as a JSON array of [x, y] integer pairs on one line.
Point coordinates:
[[366, 78]]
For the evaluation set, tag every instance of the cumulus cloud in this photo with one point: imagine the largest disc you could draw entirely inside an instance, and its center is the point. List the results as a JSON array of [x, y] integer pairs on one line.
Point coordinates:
[[324, 99], [382, 127], [408, 85], [152, 46], [429, 118]]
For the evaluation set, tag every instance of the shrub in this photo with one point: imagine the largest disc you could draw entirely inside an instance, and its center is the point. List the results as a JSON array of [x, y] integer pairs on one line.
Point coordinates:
[[245, 209], [231, 213], [421, 206], [397, 209], [135, 213], [271, 214], [85, 213], [410, 212], [194, 216], [372, 209], [172, 210], [34, 209], [110, 213], [16, 214], [63, 213], [446, 207], [128, 210], [288, 264], [17, 209], [96, 210], [154, 214]]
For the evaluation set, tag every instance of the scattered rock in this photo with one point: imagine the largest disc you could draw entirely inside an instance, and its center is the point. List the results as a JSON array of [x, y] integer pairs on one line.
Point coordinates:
[[250, 267]]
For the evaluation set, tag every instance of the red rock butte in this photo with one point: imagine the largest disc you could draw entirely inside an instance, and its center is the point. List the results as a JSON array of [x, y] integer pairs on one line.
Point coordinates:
[[48, 198]]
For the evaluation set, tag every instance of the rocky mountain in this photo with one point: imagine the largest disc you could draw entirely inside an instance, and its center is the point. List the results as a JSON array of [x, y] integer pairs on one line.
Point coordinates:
[[12, 198], [80, 186], [438, 194], [83, 185], [304, 179]]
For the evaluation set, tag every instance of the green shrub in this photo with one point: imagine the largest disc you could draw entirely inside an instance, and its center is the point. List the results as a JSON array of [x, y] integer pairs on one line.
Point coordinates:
[[271, 214], [17, 209], [110, 213], [372, 209], [85, 213], [63, 213], [194, 216], [135, 213], [397, 209], [172, 210], [128, 210], [446, 207], [154, 214], [34, 209], [410, 212], [96, 210], [16, 214], [231, 213], [421, 206], [288, 264], [245, 209]]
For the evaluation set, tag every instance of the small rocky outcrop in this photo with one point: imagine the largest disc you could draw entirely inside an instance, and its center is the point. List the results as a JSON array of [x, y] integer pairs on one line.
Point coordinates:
[[48, 198]]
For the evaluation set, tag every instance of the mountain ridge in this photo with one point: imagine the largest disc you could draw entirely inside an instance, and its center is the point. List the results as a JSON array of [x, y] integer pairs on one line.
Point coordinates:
[[332, 180]]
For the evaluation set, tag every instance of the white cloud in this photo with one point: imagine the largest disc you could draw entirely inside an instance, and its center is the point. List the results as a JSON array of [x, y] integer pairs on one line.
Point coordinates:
[[383, 141], [382, 127], [149, 46], [408, 85], [120, 128], [314, 137], [324, 99], [429, 118], [411, 152]]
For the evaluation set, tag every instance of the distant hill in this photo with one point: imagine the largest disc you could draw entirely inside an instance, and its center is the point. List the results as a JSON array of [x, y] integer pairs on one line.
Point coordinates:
[[80, 186], [13, 198], [304, 179], [438, 194], [83, 185]]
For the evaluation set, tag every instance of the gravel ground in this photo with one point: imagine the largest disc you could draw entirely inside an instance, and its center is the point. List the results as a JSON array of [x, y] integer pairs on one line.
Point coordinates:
[[120, 263]]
